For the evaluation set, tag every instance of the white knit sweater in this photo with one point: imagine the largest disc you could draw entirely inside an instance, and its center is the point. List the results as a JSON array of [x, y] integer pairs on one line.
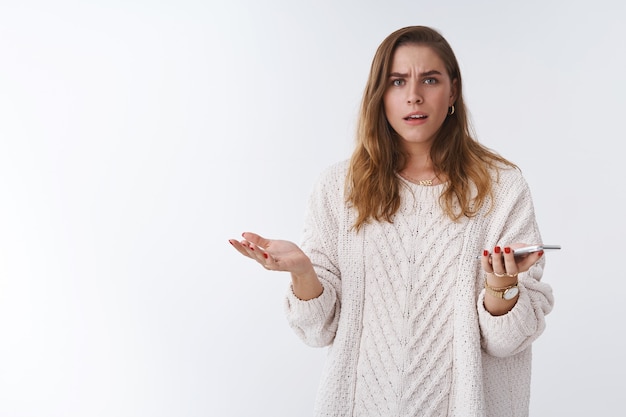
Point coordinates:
[[402, 308]]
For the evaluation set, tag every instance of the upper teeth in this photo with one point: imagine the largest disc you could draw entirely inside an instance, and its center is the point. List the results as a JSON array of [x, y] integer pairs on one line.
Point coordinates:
[[416, 116]]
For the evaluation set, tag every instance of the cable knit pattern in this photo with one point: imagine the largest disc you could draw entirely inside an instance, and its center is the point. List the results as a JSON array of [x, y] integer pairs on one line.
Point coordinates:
[[402, 310]]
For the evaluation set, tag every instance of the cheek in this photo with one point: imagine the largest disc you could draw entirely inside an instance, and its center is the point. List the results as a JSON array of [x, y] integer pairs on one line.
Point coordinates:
[[390, 104]]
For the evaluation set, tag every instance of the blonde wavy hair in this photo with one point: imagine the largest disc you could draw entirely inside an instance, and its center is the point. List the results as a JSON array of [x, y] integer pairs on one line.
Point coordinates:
[[372, 185]]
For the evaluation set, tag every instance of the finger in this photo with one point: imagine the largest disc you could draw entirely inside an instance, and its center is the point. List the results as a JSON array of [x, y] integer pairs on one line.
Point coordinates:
[[509, 261], [264, 258], [271, 262], [250, 251], [485, 262], [256, 239], [240, 248], [497, 262], [257, 253]]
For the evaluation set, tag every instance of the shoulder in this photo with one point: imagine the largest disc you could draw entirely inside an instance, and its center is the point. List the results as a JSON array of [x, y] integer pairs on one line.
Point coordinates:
[[334, 176], [327, 197], [505, 176], [509, 187]]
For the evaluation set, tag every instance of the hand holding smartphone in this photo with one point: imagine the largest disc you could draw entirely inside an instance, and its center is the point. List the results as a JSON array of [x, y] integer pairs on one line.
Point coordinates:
[[523, 251]]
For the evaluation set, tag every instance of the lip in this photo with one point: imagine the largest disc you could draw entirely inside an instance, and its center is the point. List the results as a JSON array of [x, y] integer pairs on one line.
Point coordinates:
[[417, 121]]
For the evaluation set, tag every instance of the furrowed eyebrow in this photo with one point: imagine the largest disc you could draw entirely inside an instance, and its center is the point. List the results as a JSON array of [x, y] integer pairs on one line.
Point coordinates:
[[429, 73], [423, 74]]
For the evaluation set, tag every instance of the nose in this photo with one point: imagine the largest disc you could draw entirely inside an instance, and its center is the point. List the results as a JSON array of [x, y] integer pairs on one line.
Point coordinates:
[[414, 94]]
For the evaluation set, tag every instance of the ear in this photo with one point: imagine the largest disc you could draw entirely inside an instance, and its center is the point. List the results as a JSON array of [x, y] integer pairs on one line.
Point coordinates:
[[453, 92]]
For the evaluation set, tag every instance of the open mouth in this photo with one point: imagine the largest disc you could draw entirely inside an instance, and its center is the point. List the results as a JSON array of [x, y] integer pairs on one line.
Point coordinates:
[[416, 117]]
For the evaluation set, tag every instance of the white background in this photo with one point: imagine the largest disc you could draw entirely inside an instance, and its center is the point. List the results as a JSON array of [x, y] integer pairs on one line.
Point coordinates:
[[136, 137]]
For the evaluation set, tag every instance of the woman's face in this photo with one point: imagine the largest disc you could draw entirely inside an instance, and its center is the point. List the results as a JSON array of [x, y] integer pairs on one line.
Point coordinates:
[[418, 94]]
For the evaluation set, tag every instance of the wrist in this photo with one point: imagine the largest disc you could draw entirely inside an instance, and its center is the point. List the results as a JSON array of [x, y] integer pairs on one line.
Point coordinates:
[[307, 285], [507, 292]]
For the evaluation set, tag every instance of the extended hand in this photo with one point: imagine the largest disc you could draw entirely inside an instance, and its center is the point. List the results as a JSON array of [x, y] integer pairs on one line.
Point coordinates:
[[275, 255]]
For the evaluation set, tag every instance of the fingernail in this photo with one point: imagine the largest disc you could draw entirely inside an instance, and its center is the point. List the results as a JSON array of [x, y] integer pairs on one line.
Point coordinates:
[[251, 248], [485, 252], [265, 255], [231, 242], [507, 250], [496, 249], [540, 253]]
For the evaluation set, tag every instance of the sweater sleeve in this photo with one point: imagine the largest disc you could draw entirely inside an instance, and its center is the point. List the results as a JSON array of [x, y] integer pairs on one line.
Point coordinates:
[[513, 332], [315, 321]]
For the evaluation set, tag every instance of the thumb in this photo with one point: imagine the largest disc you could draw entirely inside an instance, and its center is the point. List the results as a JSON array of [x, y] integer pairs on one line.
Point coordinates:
[[256, 239]]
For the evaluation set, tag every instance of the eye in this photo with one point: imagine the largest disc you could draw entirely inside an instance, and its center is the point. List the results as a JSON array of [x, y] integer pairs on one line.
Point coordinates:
[[430, 81], [397, 82]]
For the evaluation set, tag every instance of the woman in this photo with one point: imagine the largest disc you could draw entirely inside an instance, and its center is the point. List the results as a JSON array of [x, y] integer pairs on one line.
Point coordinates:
[[388, 274]]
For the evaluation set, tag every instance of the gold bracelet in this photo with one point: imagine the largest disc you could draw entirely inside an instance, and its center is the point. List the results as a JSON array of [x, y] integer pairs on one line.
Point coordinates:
[[505, 275]]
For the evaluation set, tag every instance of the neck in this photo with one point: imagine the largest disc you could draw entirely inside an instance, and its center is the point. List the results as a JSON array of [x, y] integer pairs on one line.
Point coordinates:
[[419, 169], [419, 166]]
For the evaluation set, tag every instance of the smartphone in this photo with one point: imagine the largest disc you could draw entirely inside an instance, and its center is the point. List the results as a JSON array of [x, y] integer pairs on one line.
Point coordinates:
[[534, 248], [523, 251]]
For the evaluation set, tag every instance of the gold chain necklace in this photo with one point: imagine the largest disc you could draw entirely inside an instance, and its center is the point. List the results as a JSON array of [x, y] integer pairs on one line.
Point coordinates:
[[426, 183]]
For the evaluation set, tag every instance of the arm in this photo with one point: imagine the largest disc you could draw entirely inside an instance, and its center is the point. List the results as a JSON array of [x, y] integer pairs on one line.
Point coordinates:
[[312, 303], [315, 321], [508, 327]]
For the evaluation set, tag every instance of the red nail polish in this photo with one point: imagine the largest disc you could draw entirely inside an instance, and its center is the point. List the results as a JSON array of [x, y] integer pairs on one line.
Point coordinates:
[[496, 249], [507, 250], [251, 248], [485, 252], [231, 242], [265, 255], [540, 253]]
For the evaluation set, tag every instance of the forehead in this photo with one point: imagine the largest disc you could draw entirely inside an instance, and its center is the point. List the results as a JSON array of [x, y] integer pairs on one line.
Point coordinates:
[[416, 57]]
